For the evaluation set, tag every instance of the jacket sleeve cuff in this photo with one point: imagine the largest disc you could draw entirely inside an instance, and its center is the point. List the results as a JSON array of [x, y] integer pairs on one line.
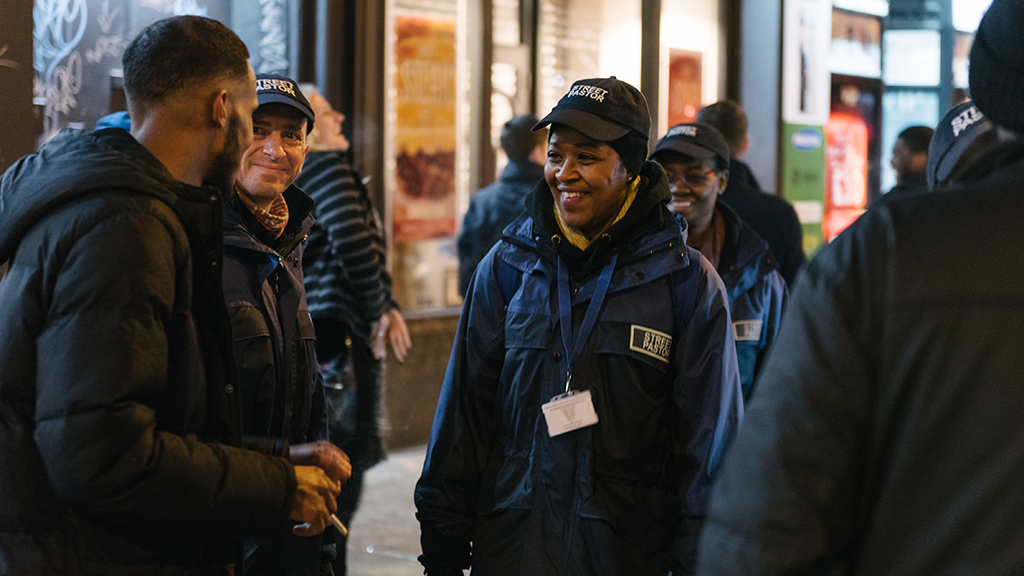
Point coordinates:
[[269, 445], [442, 554]]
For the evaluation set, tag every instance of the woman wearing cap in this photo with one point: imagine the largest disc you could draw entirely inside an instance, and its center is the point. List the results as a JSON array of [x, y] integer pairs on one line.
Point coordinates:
[[592, 385]]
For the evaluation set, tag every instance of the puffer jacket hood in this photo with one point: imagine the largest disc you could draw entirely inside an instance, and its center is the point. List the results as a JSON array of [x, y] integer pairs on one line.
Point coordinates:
[[87, 162]]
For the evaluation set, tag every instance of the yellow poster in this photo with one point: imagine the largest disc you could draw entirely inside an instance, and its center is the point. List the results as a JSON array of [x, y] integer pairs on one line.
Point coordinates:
[[424, 205]]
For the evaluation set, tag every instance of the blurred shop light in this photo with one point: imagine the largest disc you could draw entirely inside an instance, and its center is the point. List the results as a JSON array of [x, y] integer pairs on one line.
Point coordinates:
[[967, 14]]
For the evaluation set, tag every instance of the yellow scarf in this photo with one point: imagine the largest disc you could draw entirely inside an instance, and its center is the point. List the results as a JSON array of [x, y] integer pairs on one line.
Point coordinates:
[[579, 240]]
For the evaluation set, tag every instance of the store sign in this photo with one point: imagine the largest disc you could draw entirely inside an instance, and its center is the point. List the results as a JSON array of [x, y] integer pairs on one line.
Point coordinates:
[[806, 140], [967, 14], [425, 128], [856, 45], [911, 57], [846, 172], [803, 178]]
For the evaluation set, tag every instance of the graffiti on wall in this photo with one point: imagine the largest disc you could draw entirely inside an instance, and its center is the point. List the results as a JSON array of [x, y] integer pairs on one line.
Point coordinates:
[[59, 27], [273, 44], [109, 43], [176, 7]]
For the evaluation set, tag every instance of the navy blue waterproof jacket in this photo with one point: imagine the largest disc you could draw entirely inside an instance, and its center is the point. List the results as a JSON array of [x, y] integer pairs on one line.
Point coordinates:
[[624, 496], [757, 294]]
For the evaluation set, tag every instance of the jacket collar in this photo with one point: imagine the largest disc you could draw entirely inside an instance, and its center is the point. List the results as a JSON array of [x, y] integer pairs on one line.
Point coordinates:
[[647, 215], [742, 251], [647, 228], [76, 163], [522, 171], [243, 230]]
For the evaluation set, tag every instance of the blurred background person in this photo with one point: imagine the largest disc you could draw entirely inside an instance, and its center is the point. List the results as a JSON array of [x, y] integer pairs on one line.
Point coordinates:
[[771, 217], [910, 159], [349, 294], [696, 159], [495, 206]]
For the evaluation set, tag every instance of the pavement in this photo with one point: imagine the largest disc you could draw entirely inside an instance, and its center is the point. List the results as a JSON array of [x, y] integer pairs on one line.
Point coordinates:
[[384, 538]]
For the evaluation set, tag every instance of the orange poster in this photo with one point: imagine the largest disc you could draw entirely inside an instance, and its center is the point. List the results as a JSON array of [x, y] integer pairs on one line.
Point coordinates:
[[846, 172], [424, 205]]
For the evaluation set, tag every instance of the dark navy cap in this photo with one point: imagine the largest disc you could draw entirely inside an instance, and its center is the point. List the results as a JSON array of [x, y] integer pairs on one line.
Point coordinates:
[[276, 89], [960, 128], [604, 109], [696, 141]]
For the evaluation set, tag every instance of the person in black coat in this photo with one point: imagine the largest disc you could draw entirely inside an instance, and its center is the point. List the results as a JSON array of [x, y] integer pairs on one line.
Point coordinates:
[[121, 437], [495, 206], [266, 223], [886, 436], [771, 217]]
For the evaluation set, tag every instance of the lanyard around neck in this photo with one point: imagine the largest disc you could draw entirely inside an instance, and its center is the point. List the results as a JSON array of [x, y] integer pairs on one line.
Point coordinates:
[[573, 349]]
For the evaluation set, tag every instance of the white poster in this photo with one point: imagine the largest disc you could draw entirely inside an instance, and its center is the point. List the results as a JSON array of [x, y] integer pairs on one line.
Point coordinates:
[[806, 44]]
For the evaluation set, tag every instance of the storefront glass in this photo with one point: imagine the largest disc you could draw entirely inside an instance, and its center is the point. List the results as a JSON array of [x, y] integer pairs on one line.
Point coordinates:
[[690, 58], [425, 172], [585, 39]]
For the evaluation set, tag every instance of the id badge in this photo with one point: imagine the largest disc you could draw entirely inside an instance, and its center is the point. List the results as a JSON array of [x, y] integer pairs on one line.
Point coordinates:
[[570, 411]]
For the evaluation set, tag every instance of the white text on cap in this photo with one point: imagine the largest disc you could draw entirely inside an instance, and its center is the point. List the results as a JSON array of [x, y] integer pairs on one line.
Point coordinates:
[[682, 131], [275, 84], [592, 92]]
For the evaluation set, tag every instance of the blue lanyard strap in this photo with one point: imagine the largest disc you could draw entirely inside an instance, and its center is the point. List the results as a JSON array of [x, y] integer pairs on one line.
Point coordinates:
[[573, 349]]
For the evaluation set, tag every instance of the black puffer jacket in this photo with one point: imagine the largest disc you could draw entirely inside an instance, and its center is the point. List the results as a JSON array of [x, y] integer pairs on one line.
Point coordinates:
[[117, 402]]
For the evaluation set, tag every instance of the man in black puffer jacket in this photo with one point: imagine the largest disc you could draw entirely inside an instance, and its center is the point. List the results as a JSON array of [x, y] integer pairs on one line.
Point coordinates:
[[121, 432]]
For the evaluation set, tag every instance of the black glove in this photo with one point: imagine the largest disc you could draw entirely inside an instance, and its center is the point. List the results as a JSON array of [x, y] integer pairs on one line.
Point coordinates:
[[433, 566]]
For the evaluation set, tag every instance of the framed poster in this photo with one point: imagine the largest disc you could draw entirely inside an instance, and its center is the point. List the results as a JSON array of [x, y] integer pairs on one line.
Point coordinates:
[[424, 139], [684, 86]]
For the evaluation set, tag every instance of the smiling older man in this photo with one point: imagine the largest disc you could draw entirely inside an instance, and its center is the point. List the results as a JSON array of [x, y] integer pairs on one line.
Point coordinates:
[[265, 223]]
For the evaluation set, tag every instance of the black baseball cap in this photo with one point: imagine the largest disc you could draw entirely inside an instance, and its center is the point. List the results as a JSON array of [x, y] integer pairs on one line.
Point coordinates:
[[696, 141], [604, 109], [960, 128], [276, 89]]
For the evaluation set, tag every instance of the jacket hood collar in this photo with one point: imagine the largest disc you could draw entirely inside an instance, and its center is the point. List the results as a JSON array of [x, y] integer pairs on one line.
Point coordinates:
[[238, 221], [523, 171], [74, 164], [646, 215]]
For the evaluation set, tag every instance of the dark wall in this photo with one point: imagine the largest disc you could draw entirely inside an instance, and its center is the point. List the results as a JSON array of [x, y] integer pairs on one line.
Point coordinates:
[[16, 80], [79, 48]]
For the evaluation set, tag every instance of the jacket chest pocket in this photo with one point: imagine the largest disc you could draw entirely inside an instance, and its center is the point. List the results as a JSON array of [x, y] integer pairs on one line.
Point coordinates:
[[254, 358]]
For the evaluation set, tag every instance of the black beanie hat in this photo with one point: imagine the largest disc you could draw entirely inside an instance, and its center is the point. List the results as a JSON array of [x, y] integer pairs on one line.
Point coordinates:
[[632, 150], [996, 72]]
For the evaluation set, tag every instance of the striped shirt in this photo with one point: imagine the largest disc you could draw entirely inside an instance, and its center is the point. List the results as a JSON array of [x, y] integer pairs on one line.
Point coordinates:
[[344, 261]]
